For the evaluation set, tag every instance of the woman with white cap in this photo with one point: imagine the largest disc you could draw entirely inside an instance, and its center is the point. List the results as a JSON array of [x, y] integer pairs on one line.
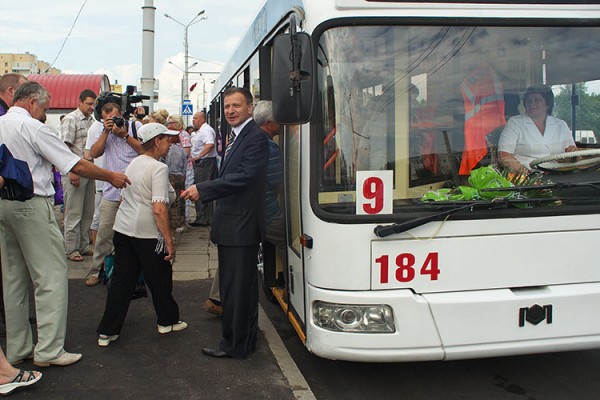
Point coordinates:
[[143, 239]]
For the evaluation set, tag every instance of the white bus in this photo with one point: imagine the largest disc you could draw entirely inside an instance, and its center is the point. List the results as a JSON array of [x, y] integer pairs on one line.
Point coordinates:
[[386, 103]]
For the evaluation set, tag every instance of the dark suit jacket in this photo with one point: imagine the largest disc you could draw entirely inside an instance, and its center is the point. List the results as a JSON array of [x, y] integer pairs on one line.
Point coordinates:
[[238, 218]]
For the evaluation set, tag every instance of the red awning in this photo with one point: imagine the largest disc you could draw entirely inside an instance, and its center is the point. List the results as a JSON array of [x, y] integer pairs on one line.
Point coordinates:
[[65, 88]]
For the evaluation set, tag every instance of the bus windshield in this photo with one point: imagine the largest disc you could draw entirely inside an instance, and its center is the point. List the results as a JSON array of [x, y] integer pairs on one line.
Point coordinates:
[[433, 104]]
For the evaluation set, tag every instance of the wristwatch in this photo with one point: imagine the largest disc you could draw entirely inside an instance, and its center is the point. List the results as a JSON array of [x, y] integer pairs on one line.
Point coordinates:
[[126, 136]]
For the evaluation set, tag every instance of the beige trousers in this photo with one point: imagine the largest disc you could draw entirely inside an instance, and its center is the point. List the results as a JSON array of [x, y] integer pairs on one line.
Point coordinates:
[[104, 238], [79, 212], [32, 248]]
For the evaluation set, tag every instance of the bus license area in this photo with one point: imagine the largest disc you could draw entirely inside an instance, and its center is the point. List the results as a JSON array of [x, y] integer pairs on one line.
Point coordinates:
[[394, 268]]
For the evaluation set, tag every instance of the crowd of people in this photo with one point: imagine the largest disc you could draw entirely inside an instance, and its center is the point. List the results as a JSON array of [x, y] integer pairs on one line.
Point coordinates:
[[128, 183]]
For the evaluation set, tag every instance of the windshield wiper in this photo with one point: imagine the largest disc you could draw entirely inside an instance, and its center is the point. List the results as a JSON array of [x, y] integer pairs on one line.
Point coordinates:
[[387, 230]]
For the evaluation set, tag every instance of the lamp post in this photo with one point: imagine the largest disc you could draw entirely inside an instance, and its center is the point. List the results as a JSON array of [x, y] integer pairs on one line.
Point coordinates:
[[185, 45], [184, 89], [201, 73], [204, 90]]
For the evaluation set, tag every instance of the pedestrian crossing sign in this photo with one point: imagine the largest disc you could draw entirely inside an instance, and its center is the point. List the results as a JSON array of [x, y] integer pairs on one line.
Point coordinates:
[[187, 108]]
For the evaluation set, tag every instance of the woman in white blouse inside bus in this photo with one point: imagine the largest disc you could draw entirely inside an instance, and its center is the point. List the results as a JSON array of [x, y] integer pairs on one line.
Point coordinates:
[[535, 134]]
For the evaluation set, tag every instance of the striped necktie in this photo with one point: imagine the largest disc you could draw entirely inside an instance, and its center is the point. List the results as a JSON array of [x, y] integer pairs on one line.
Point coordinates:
[[230, 140]]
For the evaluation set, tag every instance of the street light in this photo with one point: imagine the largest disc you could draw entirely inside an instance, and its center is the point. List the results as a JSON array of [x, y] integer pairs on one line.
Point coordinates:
[[183, 84], [201, 73], [204, 90], [185, 45]]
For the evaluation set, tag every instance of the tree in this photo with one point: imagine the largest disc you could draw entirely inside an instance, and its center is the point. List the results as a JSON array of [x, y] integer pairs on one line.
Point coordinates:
[[587, 112]]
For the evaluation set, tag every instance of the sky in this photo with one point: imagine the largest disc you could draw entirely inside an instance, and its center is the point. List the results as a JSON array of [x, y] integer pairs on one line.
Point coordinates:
[[107, 39]]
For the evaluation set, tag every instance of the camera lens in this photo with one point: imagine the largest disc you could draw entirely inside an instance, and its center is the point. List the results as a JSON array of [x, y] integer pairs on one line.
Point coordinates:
[[118, 121]]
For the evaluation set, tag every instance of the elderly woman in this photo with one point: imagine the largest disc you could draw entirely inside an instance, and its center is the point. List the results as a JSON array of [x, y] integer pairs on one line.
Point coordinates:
[[159, 116], [177, 162], [175, 122], [143, 239], [535, 134]]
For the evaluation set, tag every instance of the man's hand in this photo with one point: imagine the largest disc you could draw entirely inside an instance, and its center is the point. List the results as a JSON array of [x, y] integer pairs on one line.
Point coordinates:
[[74, 179], [190, 193], [108, 124], [119, 180], [571, 149]]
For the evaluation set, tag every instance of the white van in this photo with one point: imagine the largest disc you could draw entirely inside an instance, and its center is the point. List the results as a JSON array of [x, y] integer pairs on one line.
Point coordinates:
[[585, 136]]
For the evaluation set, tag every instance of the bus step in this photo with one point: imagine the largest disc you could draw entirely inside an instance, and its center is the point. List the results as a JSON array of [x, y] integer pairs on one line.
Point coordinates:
[[280, 295]]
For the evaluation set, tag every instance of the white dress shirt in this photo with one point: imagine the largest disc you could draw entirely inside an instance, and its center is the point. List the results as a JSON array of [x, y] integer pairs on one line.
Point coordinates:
[[31, 141]]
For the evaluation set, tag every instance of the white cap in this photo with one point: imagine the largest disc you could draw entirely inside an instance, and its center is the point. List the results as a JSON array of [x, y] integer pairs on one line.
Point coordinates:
[[152, 130]]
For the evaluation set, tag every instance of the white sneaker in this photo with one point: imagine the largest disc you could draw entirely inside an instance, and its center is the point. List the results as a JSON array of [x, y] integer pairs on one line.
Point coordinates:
[[179, 326], [104, 340], [63, 360]]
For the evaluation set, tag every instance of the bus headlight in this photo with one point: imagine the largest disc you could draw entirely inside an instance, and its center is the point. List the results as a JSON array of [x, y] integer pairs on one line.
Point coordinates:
[[373, 318]]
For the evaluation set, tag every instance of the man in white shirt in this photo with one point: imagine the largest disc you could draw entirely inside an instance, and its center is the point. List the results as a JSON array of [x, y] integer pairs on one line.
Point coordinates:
[[93, 132], [32, 244], [204, 159], [118, 147]]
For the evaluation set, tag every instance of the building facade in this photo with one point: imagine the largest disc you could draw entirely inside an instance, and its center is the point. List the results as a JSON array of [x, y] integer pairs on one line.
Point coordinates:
[[24, 64]]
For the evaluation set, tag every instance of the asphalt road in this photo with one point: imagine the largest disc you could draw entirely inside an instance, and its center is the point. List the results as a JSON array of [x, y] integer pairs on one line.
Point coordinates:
[[552, 376], [142, 364]]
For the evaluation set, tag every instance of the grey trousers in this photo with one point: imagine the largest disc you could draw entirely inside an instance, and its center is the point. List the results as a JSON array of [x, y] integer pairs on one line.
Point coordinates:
[[104, 238], [79, 212], [32, 248]]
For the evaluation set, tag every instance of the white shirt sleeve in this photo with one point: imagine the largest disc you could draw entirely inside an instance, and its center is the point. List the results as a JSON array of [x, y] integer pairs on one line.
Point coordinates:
[[160, 184]]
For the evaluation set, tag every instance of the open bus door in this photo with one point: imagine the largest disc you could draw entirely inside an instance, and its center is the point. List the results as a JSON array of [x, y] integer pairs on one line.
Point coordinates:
[[292, 85], [295, 274]]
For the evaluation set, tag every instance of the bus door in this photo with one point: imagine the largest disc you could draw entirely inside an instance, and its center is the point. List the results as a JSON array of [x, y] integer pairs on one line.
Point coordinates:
[[295, 281]]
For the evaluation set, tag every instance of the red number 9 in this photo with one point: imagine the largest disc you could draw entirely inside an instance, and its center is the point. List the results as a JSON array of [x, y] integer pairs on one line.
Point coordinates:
[[373, 190]]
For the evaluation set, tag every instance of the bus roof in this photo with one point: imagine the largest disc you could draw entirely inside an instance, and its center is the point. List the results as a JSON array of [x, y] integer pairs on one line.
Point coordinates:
[[274, 11], [267, 19]]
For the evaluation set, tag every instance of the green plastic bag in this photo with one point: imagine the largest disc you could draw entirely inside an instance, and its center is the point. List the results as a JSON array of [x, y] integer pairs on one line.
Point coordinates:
[[488, 178], [436, 195]]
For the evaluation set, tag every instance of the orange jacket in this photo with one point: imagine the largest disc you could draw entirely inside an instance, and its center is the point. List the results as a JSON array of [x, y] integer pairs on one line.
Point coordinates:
[[483, 97]]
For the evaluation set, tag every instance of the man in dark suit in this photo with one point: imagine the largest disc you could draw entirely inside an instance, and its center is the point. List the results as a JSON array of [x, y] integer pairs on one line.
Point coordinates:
[[238, 223]]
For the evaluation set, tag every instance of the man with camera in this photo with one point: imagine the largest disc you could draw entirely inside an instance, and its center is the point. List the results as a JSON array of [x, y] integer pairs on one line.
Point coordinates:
[[119, 147]]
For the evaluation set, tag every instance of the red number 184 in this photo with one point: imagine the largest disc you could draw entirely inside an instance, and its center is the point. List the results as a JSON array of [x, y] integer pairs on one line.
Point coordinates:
[[405, 267]]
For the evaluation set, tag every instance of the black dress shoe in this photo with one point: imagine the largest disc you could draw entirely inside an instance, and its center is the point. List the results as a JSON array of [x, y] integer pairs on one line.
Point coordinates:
[[215, 352]]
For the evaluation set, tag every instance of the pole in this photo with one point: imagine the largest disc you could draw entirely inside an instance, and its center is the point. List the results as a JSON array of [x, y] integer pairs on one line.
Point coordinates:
[[185, 72], [185, 93], [203, 92], [147, 80]]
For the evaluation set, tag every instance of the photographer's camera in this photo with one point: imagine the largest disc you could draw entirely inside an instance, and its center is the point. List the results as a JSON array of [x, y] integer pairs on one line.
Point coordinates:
[[119, 122]]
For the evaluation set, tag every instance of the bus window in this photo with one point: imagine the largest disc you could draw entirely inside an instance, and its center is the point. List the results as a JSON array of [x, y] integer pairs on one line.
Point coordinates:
[[428, 102], [254, 74]]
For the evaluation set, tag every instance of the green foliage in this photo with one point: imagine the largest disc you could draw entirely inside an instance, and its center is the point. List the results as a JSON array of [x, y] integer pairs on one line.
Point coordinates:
[[588, 111]]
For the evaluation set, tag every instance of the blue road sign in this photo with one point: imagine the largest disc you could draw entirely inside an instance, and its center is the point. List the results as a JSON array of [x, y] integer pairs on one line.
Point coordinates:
[[187, 108]]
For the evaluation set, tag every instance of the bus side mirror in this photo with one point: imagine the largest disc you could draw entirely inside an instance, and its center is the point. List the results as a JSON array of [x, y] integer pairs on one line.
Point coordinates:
[[292, 79]]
